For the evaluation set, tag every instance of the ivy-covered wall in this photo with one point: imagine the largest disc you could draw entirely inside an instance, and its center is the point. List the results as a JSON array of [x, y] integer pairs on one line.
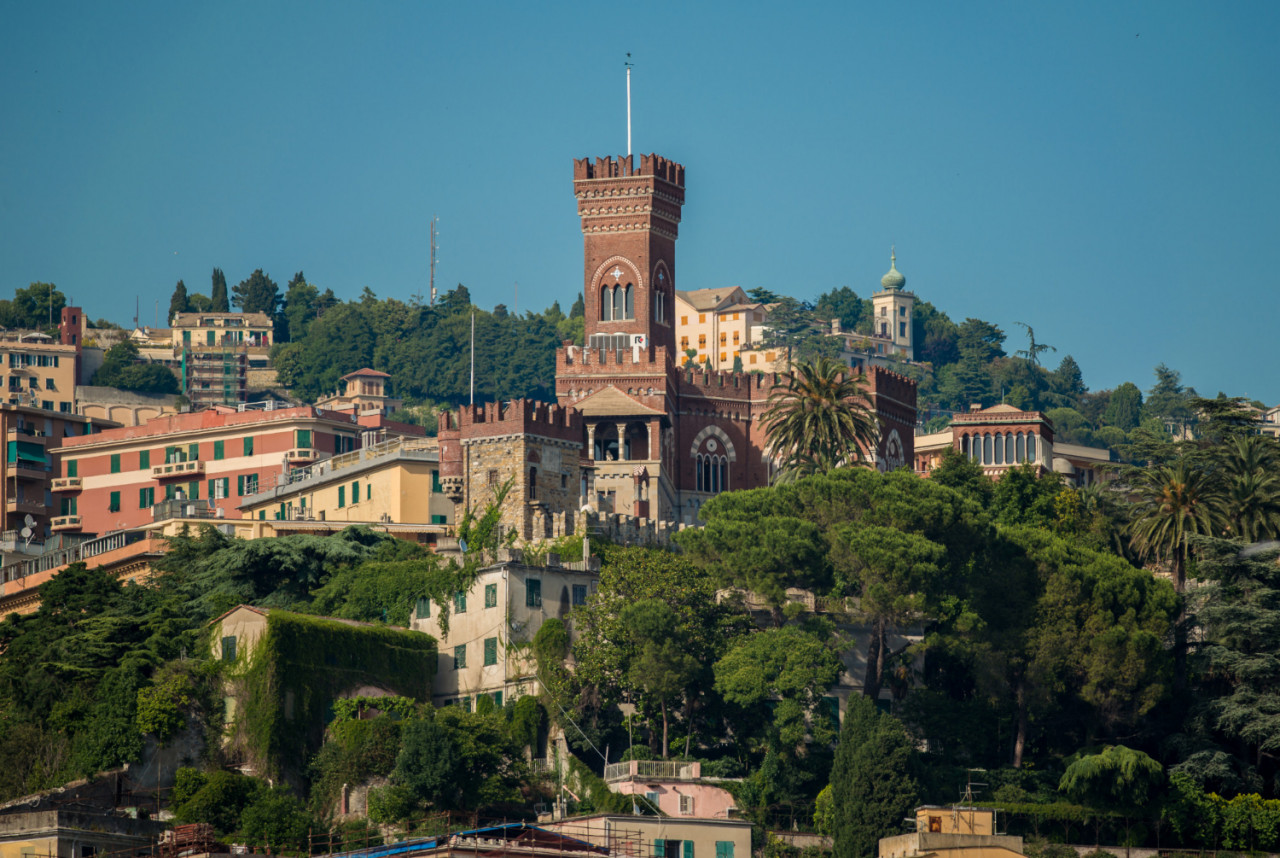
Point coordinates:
[[286, 686]]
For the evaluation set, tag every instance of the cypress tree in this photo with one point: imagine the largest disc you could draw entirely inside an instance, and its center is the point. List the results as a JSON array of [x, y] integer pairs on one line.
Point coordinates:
[[871, 783]]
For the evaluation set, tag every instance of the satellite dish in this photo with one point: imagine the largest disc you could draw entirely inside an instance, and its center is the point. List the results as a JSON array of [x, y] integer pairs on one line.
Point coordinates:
[[27, 534], [462, 544], [29, 521]]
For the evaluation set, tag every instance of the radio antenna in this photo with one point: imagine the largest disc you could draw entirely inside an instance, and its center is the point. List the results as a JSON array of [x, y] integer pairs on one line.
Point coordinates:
[[434, 220], [628, 64]]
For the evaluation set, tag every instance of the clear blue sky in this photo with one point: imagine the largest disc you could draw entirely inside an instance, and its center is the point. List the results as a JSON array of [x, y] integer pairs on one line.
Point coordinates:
[[1106, 172]]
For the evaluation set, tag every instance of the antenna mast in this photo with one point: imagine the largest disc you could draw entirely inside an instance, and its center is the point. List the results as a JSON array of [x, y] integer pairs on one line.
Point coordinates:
[[434, 220], [473, 357], [628, 64]]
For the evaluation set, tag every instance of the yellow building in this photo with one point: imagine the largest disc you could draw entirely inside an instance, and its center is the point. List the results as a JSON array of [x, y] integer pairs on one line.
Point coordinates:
[[719, 324], [37, 372], [952, 832], [395, 481], [74, 833]]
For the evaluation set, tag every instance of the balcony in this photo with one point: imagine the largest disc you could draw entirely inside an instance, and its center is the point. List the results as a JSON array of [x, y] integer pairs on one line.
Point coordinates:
[[32, 436], [28, 470], [66, 522], [25, 505], [174, 470], [301, 454], [652, 770], [66, 484]]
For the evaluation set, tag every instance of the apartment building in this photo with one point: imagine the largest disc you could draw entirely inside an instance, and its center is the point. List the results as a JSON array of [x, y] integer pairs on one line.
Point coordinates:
[[485, 651], [216, 351], [718, 324], [110, 480], [362, 392], [397, 480], [32, 440]]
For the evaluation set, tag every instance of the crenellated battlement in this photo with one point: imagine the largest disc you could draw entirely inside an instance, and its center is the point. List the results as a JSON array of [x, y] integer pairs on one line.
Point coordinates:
[[575, 360], [889, 383], [623, 167], [750, 386], [517, 417]]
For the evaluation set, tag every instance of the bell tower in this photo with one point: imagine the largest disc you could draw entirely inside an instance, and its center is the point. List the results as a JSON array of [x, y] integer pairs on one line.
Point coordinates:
[[630, 222]]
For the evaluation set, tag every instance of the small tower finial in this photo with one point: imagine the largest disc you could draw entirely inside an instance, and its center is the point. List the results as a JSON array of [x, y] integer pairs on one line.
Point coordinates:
[[893, 256]]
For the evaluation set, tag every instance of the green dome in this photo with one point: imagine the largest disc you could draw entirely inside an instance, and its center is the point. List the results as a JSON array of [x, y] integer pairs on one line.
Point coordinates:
[[894, 279]]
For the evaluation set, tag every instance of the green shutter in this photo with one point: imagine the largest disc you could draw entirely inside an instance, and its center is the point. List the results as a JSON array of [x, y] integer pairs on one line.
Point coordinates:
[[229, 648], [490, 651], [113, 504], [491, 595], [193, 490], [659, 849], [533, 593], [460, 657], [459, 602], [248, 445], [144, 460], [303, 439], [423, 609], [355, 491], [439, 519], [115, 463], [342, 496], [193, 452], [435, 482], [688, 849], [497, 699], [73, 468], [724, 849], [218, 450]]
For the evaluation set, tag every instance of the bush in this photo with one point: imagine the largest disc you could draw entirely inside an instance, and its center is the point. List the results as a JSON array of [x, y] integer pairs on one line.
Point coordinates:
[[276, 819], [391, 804]]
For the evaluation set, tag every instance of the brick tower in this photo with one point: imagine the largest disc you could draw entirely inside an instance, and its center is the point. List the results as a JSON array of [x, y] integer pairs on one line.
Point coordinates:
[[630, 222]]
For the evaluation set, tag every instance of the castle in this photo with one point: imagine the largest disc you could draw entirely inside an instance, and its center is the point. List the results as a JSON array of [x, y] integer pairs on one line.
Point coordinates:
[[634, 435]]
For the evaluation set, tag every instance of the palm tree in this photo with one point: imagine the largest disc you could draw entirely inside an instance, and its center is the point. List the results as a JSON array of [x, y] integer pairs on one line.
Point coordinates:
[[820, 420], [1174, 503], [1252, 474]]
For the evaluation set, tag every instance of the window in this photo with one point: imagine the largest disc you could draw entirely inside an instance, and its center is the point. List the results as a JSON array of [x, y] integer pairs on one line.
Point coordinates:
[[193, 452], [219, 489], [146, 498], [248, 445], [73, 468], [497, 699], [902, 329], [579, 594], [459, 602], [724, 849], [491, 595], [436, 488], [439, 519], [460, 657], [229, 648], [465, 703], [423, 608], [302, 438], [342, 496], [113, 505], [368, 491], [490, 652], [68, 506], [493, 477], [46, 404], [702, 341], [702, 318], [219, 450], [533, 484], [684, 320], [533, 593], [687, 851], [355, 491], [935, 825], [723, 337], [115, 463], [144, 460]]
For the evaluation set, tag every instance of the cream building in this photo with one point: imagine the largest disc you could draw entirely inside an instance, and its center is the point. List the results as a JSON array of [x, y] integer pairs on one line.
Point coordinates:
[[661, 836], [396, 481], [38, 372], [485, 651], [720, 324], [952, 832], [892, 312]]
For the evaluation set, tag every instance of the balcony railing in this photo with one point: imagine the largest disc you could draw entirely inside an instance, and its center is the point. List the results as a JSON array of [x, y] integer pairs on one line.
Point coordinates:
[[666, 770], [26, 505], [66, 522], [66, 484], [302, 454], [178, 469]]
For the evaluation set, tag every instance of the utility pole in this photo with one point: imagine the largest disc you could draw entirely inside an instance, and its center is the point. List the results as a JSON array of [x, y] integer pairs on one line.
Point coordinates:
[[434, 220]]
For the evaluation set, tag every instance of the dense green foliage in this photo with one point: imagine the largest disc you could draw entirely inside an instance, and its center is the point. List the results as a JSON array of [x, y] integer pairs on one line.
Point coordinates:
[[871, 784], [122, 368]]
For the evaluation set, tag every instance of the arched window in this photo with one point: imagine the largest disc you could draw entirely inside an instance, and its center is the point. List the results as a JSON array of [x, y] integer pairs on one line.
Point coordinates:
[[697, 470], [987, 450], [706, 473], [1022, 448], [629, 302], [606, 304], [724, 474], [619, 303], [533, 484], [999, 449], [1031, 448], [1008, 448]]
